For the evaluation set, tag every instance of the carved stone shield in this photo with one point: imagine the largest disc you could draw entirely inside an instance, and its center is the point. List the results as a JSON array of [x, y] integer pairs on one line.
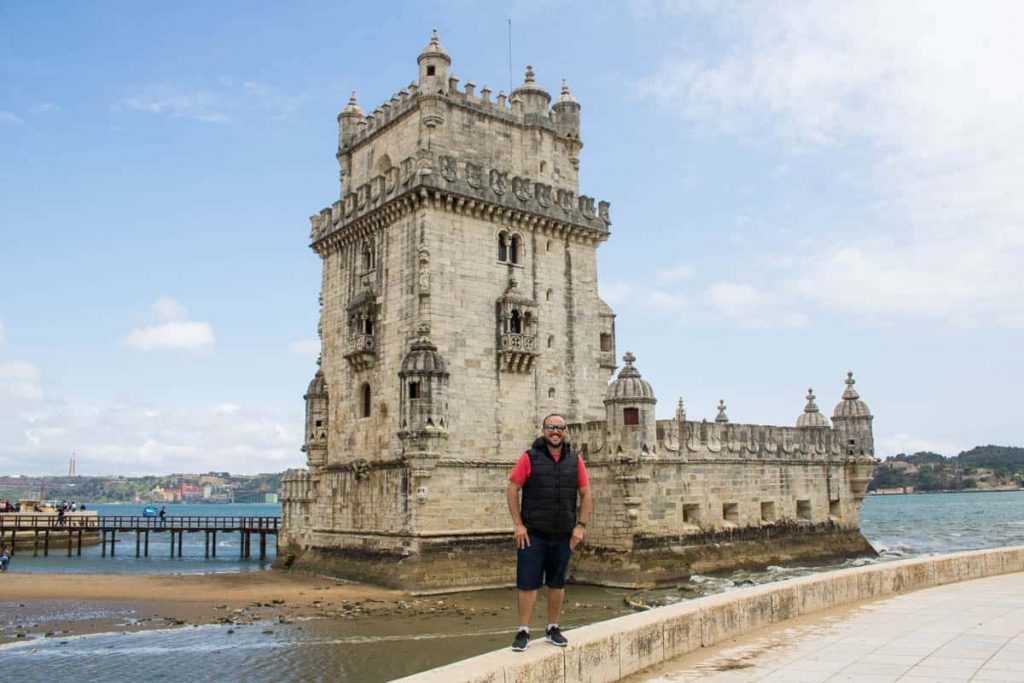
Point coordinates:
[[448, 168], [521, 188], [499, 181], [474, 175]]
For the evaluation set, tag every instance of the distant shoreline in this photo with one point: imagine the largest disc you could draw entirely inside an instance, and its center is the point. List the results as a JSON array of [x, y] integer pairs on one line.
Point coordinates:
[[914, 493]]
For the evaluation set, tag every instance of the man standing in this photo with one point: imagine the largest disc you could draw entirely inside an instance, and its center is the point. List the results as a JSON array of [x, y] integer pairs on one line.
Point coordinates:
[[553, 481]]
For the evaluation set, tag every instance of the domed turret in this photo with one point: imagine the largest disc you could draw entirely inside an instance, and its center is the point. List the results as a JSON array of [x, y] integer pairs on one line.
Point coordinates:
[[811, 417], [348, 121], [434, 64], [423, 408], [534, 98], [317, 404], [629, 408], [852, 421], [567, 114]]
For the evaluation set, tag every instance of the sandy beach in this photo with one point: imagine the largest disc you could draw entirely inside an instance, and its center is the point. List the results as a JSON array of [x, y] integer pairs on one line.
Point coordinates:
[[32, 604]]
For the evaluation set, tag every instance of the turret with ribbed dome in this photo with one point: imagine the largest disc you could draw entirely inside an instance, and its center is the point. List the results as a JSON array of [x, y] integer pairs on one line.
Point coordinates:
[[566, 113], [435, 63], [811, 417], [852, 422], [317, 415], [349, 120], [424, 382], [533, 97], [629, 408]]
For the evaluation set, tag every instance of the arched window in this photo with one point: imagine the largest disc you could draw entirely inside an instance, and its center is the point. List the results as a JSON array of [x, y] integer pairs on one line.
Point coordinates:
[[514, 249], [367, 403], [367, 257], [367, 325], [515, 323], [528, 323], [606, 341], [551, 392], [503, 246], [548, 295], [414, 389], [551, 341]]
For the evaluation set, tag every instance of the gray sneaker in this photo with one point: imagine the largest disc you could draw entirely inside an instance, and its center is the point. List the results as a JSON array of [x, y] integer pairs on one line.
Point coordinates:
[[521, 642], [555, 637]]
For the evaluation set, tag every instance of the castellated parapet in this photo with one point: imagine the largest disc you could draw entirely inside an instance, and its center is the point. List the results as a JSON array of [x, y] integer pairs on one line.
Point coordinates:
[[459, 306]]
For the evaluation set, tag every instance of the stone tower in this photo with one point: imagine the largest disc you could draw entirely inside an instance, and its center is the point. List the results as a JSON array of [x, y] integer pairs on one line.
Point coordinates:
[[458, 307]]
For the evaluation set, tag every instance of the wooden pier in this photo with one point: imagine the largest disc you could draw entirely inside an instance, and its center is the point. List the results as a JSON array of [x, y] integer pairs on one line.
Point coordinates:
[[42, 532]]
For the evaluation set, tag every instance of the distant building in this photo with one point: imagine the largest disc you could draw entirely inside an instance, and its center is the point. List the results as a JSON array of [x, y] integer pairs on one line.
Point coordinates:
[[459, 306]]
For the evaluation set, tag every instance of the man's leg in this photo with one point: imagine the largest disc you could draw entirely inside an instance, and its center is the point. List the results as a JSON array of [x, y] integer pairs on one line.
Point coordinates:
[[555, 598], [526, 602]]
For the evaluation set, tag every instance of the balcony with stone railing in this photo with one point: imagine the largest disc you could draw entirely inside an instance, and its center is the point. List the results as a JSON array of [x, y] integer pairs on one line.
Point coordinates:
[[361, 351], [518, 351]]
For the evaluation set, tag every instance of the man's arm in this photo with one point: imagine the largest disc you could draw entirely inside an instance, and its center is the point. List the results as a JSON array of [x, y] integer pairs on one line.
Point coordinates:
[[583, 517], [512, 494]]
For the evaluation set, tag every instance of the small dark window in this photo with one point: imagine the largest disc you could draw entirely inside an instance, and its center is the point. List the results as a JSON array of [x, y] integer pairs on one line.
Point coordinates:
[[502, 246], [548, 294], [368, 326], [430, 70], [551, 392], [515, 323], [319, 423], [367, 404], [414, 389], [551, 341], [631, 416], [606, 342]]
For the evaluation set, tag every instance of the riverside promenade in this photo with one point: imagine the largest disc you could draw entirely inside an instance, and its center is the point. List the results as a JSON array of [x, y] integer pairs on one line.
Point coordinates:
[[911, 620]]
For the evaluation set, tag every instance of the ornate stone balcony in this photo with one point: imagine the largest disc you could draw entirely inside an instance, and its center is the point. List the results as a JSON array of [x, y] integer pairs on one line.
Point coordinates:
[[361, 351], [518, 351]]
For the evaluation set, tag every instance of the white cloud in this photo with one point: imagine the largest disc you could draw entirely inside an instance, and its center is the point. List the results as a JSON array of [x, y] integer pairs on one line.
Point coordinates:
[[615, 292], [185, 335], [42, 107], [929, 94], [128, 438], [10, 117], [20, 380], [675, 274], [306, 347], [750, 307], [894, 444], [3, 333], [228, 101], [168, 309]]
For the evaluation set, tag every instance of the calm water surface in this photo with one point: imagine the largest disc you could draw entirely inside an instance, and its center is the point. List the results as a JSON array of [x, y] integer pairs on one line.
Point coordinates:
[[384, 648]]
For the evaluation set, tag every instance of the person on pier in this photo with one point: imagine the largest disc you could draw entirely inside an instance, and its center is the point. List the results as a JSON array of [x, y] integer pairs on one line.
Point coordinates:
[[553, 481]]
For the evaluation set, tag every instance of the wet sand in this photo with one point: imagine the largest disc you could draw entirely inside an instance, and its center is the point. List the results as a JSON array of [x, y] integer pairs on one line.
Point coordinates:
[[33, 604]]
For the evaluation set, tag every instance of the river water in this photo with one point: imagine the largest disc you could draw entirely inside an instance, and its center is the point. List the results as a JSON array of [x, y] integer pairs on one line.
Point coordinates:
[[383, 648]]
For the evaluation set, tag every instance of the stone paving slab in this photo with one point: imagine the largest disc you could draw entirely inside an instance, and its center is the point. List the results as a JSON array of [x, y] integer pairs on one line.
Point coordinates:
[[969, 631]]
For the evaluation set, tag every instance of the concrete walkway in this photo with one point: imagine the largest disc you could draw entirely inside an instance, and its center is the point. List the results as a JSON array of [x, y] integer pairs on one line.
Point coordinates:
[[970, 631]]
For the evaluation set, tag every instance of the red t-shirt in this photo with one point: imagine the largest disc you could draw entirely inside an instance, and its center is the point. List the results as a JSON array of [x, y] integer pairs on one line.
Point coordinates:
[[521, 472]]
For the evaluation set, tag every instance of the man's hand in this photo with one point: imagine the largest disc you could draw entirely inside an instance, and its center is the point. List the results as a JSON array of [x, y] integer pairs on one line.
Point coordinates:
[[577, 537], [522, 537]]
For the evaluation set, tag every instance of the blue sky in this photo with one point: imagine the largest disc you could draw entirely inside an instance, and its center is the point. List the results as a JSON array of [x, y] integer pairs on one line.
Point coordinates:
[[798, 189]]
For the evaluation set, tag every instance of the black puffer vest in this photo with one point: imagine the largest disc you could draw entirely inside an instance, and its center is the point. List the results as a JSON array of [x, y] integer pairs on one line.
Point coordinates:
[[549, 494]]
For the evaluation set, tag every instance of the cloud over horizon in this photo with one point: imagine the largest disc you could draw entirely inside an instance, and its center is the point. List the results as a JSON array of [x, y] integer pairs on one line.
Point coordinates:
[[177, 333]]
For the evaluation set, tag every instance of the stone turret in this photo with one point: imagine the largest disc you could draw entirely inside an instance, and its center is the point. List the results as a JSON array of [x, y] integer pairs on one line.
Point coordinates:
[[811, 417], [567, 122], [435, 63], [423, 407], [533, 98], [852, 422], [317, 415], [349, 122], [629, 408]]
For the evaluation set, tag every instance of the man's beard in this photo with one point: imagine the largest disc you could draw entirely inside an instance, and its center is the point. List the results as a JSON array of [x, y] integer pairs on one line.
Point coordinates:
[[553, 445]]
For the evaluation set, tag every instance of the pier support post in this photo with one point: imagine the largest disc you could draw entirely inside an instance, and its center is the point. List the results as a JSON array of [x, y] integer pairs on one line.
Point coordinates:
[[46, 543], [241, 544], [113, 537], [146, 544], [207, 548], [103, 544], [215, 543], [35, 545], [14, 540], [181, 535], [138, 541], [70, 543], [263, 545], [80, 532], [171, 532]]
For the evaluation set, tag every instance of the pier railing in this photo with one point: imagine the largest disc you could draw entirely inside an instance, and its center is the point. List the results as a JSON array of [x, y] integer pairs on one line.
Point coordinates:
[[42, 530]]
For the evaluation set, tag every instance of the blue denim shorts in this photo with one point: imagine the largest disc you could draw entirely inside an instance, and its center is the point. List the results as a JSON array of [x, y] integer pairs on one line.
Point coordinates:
[[544, 561]]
